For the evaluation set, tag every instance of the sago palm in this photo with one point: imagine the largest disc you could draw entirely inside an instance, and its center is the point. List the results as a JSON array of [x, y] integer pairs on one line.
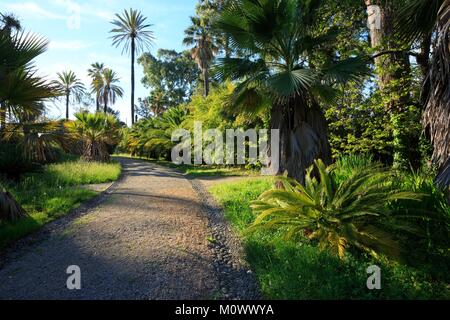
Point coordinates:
[[133, 33], [350, 214], [110, 89], [278, 66], [96, 131], [71, 87], [200, 37], [95, 73]]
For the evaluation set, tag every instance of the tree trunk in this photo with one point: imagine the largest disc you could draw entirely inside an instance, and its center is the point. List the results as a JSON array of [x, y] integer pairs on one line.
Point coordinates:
[[67, 105], [2, 116], [97, 103], [133, 49], [10, 209], [206, 81], [392, 69], [436, 118], [303, 136]]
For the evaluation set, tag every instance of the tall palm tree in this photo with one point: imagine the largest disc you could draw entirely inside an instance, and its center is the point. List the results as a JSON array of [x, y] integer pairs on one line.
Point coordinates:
[[9, 24], [278, 67], [132, 32], [71, 87], [95, 72], [200, 37], [417, 18], [110, 90]]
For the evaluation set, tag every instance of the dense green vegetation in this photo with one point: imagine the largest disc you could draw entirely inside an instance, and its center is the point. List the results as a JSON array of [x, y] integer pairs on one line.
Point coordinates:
[[53, 192], [297, 268]]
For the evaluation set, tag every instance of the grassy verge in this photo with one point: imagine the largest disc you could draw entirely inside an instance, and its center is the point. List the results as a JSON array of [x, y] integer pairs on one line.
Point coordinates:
[[298, 270], [53, 192], [199, 171]]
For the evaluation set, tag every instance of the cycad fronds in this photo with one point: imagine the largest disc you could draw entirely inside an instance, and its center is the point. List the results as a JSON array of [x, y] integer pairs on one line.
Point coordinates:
[[337, 216]]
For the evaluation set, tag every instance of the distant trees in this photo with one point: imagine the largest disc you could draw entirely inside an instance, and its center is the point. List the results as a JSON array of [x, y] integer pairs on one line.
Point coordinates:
[[171, 76]]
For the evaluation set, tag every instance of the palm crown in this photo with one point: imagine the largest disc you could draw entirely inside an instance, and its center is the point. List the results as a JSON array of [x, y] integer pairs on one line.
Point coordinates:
[[71, 87]]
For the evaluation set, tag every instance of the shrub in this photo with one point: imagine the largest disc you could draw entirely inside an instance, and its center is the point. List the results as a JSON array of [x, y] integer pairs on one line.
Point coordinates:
[[337, 216]]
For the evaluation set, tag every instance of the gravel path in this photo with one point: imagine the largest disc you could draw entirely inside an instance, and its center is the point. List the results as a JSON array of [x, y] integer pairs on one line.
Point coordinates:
[[148, 237]]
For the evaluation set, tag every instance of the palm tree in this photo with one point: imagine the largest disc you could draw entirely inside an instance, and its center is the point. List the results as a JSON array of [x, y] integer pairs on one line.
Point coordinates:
[[9, 24], [204, 47], [95, 72], [71, 87], [97, 131], [417, 18], [110, 90], [132, 32], [278, 67]]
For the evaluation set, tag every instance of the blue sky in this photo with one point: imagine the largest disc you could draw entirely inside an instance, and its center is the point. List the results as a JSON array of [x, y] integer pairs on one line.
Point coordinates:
[[78, 31]]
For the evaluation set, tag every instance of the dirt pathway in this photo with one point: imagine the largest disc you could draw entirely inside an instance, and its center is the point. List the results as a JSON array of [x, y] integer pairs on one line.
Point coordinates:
[[148, 239]]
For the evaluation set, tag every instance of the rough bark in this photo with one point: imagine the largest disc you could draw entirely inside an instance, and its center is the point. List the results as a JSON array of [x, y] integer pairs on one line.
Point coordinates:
[[303, 136], [392, 68], [67, 105], [436, 118], [206, 80], [10, 209]]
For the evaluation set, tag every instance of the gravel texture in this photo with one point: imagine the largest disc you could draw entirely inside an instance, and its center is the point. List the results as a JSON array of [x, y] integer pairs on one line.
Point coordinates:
[[146, 237]]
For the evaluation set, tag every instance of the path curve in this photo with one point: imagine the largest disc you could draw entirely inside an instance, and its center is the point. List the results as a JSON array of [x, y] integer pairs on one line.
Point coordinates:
[[148, 239]]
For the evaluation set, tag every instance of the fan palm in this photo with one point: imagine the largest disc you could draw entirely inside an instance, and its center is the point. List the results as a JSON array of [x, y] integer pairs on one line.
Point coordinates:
[[278, 66], [95, 73], [417, 18], [71, 87], [109, 90], [21, 89], [97, 131], [337, 216], [133, 33], [199, 36]]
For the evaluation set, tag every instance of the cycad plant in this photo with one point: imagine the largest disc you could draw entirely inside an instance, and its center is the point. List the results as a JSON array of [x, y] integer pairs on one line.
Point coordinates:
[[153, 137], [97, 131], [351, 214], [278, 64]]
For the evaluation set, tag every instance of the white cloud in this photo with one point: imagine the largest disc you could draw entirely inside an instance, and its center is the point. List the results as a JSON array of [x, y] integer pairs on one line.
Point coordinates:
[[68, 45], [34, 10]]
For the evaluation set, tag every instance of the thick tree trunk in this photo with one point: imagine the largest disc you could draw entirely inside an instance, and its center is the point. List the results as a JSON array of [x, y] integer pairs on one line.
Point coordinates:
[[133, 51], [393, 69], [303, 136], [2, 116], [436, 118], [10, 209]]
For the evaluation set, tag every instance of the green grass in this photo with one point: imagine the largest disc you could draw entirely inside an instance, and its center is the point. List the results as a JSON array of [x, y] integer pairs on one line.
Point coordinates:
[[299, 270], [52, 193]]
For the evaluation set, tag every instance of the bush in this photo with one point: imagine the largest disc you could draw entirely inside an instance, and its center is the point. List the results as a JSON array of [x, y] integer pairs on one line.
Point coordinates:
[[13, 163]]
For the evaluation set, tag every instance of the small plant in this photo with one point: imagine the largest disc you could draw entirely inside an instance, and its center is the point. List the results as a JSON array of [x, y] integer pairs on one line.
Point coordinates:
[[337, 216]]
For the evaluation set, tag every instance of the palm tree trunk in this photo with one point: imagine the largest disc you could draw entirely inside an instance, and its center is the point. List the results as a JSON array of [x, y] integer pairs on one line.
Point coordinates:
[[97, 103], [133, 49], [436, 118], [2, 116], [303, 137], [67, 105], [206, 81]]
